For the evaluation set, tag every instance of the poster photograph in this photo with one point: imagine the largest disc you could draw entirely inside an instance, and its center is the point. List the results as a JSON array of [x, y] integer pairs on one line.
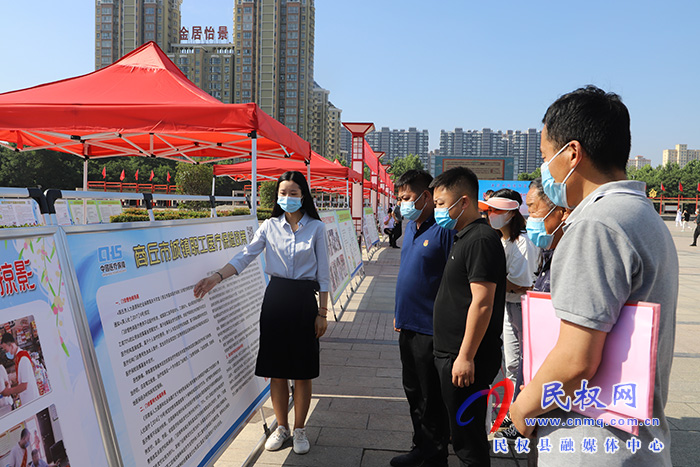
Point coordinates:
[[23, 375]]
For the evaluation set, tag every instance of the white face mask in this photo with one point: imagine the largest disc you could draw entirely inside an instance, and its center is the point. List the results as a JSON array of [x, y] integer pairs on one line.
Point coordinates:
[[497, 221]]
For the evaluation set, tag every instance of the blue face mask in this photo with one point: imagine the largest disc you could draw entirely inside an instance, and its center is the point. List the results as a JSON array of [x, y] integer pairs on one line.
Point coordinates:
[[537, 232], [555, 191], [409, 211], [289, 204], [443, 219], [10, 355]]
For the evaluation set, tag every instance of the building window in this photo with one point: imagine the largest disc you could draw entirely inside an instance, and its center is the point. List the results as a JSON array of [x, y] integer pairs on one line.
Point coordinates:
[[247, 35], [150, 26], [149, 10], [107, 11], [106, 60], [292, 26], [215, 61], [106, 19], [292, 52]]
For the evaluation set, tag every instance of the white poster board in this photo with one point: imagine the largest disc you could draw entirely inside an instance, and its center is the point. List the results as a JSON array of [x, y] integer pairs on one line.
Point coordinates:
[[178, 371], [337, 261], [353, 254], [369, 228], [58, 407], [20, 212]]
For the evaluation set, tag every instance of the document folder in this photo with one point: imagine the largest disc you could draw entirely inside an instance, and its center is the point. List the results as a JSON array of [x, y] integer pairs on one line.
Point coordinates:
[[627, 368]]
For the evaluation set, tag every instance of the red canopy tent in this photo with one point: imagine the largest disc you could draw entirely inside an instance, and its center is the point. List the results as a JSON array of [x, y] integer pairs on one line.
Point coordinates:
[[324, 174], [141, 105]]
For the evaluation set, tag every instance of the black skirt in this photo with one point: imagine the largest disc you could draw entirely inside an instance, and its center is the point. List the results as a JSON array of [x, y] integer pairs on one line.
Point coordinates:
[[288, 345]]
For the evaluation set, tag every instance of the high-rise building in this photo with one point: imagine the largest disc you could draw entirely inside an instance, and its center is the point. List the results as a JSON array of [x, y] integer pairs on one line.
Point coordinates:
[[274, 42], [318, 119], [681, 155], [333, 126], [523, 146], [209, 66], [123, 25], [638, 162], [345, 144], [400, 143]]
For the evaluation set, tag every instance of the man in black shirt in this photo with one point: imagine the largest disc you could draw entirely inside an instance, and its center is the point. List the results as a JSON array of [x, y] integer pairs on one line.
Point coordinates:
[[468, 314]]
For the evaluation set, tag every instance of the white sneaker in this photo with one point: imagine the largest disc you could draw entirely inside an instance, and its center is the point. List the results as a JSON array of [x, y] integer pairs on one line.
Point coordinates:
[[277, 439], [301, 442]]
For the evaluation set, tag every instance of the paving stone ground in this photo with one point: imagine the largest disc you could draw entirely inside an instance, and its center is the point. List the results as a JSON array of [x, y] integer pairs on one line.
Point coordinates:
[[359, 415]]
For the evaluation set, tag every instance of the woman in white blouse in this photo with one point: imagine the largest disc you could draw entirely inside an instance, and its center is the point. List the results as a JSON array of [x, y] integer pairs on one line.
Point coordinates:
[[522, 259], [291, 321]]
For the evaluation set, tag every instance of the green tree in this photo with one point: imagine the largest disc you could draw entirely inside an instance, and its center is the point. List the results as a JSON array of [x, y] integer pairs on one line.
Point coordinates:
[[528, 177], [44, 168], [194, 179], [402, 165], [267, 194]]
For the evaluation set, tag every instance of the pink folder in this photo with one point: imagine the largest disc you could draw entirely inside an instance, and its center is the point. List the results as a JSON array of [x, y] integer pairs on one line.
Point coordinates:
[[629, 356]]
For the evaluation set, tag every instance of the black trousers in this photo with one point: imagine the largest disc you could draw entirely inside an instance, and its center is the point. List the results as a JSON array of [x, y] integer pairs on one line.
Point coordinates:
[[398, 231], [696, 234], [421, 382], [469, 441]]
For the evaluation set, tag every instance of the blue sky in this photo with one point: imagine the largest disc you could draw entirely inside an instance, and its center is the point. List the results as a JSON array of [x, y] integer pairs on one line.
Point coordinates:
[[440, 64]]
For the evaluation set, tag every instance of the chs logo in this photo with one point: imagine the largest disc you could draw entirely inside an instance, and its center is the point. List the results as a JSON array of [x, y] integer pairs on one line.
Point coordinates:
[[109, 253], [110, 259]]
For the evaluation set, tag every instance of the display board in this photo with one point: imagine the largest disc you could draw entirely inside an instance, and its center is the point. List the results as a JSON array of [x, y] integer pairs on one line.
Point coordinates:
[[178, 372], [72, 212], [369, 228], [20, 212], [353, 254], [58, 407], [337, 261]]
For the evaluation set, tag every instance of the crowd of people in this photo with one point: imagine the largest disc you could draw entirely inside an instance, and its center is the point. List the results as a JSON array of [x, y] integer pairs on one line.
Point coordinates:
[[465, 265], [473, 277]]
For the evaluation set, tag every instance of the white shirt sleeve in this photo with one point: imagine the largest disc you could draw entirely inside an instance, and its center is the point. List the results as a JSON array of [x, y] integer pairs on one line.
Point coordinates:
[[251, 250], [25, 374], [322, 267]]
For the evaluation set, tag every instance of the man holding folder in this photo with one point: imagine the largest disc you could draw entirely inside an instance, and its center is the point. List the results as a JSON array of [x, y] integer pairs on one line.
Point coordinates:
[[615, 249]]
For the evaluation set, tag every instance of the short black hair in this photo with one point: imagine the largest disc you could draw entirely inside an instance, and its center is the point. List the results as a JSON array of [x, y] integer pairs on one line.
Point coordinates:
[[596, 119], [307, 201], [24, 433], [7, 338], [417, 180], [460, 180], [539, 189], [517, 223]]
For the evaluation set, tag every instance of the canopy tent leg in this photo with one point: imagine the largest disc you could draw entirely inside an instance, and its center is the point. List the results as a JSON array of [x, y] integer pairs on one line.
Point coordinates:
[[308, 173], [85, 188], [254, 174]]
